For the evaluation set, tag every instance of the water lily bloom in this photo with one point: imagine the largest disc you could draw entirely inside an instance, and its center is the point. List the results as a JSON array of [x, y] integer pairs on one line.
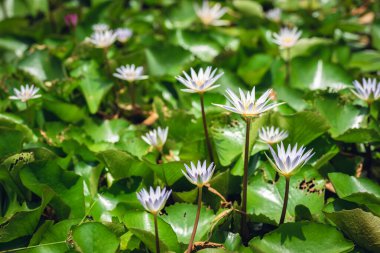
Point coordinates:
[[71, 19], [156, 137], [130, 73], [153, 200], [287, 37], [274, 14], [199, 174], [102, 39], [210, 15], [25, 93], [271, 135], [288, 161], [100, 27], [247, 105], [368, 90], [201, 82], [123, 34]]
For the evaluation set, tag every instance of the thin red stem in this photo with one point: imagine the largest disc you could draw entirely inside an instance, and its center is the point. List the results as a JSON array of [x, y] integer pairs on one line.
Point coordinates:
[[191, 243], [243, 225], [208, 141]]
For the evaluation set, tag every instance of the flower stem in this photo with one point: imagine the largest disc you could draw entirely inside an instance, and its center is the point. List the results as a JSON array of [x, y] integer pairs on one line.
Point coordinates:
[[190, 247], [287, 62], [32, 247], [287, 184], [243, 226], [208, 141], [108, 67], [133, 95], [367, 163], [156, 234]]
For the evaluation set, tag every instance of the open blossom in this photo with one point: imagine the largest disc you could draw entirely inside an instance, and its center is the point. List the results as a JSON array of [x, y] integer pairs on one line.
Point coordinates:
[[201, 82], [272, 135], [130, 73], [247, 105], [199, 174], [123, 34], [100, 27], [274, 14], [368, 90], [153, 200], [25, 93], [156, 137], [287, 37], [286, 162], [102, 39], [210, 15]]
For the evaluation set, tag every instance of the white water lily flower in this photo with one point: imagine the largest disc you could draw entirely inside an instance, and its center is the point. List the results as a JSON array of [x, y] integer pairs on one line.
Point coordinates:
[[100, 27], [271, 135], [102, 39], [368, 90], [156, 137], [210, 15], [130, 73], [123, 34], [287, 37], [154, 200], [336, 87], [287, 162], [200, 174], [25, 93], [247, 105], [274, 14], [201, 82]]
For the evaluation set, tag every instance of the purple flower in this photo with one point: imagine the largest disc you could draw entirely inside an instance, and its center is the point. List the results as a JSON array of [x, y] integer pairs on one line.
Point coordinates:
[[71, 19]]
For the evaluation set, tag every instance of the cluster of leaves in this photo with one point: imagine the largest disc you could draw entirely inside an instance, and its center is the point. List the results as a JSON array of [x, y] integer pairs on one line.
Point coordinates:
[[72, 161]]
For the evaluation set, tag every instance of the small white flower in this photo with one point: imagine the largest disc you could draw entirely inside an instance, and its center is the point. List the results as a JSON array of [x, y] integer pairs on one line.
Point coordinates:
[[274, 14], [287, 38], [271, 135], [153, 201], [200, 174], [156, 137], [368, 90], [100, 27], [210, 15], [247, 105], [102, 39], [25, 93], [286, 162], [130, 73], [201, 82], [123, 34], [336, 87]]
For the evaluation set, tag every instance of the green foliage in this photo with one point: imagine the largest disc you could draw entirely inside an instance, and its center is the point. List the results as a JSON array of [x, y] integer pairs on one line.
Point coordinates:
[[72, 160], [302, 236]]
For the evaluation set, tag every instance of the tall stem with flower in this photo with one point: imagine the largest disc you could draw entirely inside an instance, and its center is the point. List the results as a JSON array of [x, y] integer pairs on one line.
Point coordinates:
[[200, 83], [131, 74], [154, 201], [368, 91], [287, 162], [286, 39], [248, 107], [198, 175]]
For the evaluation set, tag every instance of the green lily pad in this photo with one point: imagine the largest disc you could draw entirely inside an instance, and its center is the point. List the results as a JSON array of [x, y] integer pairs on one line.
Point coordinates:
[[94, 237], [266, 198], [360, 226], [302, 237], [142, 225], [181, 217]]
